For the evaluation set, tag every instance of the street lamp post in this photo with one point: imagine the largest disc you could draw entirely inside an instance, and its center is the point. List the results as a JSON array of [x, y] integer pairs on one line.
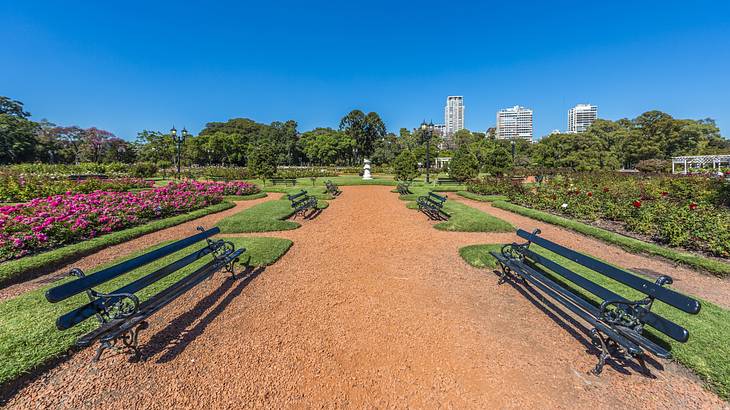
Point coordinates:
[[178, 140], [428, 132]]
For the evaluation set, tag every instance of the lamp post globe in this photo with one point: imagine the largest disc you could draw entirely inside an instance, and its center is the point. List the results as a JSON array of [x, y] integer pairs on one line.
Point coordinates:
[[178, 140]]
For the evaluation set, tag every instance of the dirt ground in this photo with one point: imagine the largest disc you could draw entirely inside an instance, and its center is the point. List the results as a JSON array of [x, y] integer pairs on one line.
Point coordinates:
[[370, 308]]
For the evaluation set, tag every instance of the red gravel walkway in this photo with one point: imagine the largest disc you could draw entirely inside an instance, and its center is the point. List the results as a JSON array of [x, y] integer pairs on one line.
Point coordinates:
[[370, 308]]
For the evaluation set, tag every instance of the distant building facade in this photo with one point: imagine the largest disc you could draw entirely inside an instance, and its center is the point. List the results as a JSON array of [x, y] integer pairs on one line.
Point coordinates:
[[514, 123], [581, 117], [454, 114]]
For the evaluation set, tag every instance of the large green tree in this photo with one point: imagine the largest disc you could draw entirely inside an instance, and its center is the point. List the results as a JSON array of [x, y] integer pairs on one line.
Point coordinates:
[[364, 129], [17, 133]]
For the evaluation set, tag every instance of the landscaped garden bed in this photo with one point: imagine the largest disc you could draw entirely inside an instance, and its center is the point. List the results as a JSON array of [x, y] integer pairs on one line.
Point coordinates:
[[21, 188]]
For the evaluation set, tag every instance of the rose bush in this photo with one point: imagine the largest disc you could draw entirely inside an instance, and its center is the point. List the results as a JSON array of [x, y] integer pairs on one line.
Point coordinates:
[[48, 223], [16, 187]]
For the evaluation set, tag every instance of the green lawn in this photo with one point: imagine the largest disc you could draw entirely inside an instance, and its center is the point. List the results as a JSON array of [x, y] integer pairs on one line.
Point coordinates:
[[707, 352], [482, 198], [245, 197], [14, 268], [28, 335], [264, 217], [463, 217], [716, 267]]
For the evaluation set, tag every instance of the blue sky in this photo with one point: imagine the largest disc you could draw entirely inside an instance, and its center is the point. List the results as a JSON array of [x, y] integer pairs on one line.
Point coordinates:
[[133, 65]]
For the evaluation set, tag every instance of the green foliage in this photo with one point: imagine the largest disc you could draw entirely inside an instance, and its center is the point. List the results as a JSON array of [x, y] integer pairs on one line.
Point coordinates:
[[364, 130], [482, 198], [463, 165], [144, 170], [405, 166], [654, 166], [29, 336], [494, 156], [262, 162]]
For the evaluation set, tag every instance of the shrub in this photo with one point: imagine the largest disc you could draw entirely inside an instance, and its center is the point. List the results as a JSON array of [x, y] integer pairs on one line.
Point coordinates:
[[144, 170], [405, 166], [654, 166], [463, 165], [262, 161]]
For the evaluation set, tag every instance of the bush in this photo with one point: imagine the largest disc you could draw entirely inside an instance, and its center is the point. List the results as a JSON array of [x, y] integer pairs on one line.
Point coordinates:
[[262, 161], [405, 166], [654, 166], [463, 165], [144, 170]]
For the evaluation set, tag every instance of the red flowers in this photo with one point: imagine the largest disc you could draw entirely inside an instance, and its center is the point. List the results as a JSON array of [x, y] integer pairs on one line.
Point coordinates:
[[665, 194], [590, 194], [637, 204], [605, 189], [692, 206]]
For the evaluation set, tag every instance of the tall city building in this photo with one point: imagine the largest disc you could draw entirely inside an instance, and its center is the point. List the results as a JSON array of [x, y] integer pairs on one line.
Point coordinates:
[[514, 123], [454, 114], [581, 117]]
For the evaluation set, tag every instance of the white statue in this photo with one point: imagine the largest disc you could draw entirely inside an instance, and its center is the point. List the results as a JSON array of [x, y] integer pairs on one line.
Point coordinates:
[[366, 170]]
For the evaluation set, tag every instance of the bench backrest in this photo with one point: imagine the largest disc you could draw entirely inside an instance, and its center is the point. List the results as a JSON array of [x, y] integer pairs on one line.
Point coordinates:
[[68, 289], [436, 197], [651, 289], [298, 196]]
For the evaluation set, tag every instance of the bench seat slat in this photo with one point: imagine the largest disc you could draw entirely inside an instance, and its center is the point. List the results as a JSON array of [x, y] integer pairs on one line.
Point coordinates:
[[574, 303], [665, 326], [88, 310], [666, 295], [68, 289]]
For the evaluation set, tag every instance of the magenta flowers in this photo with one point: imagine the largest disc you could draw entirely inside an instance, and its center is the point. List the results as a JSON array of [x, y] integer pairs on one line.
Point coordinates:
[[48, 223]]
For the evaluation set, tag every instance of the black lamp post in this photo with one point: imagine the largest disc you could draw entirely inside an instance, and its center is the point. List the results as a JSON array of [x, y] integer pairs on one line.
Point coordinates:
[[178, 140], [428, 133]]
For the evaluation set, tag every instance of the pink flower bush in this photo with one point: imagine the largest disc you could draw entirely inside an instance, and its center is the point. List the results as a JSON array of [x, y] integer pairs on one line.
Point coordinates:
[[47, 223]]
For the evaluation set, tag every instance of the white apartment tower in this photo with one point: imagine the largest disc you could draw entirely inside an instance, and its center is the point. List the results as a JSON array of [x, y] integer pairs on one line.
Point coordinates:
[[454, 114], [514, 123], [581, 117]]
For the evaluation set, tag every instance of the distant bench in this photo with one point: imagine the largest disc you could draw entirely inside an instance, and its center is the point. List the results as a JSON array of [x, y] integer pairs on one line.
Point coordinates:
[[433, 206], [302, 201], [332, 188], [284, 181], [121, 313], [447, 181], [618, 323], [404, 188]]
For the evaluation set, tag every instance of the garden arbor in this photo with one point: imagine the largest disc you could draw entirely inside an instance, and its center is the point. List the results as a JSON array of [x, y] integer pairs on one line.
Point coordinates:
[[699, 161]]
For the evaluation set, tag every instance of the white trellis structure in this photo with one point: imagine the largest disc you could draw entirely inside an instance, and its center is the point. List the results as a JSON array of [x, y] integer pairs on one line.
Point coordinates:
[[699, 161]]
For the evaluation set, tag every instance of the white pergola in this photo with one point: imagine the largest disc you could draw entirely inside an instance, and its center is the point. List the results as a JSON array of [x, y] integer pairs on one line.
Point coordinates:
[[699, 161]]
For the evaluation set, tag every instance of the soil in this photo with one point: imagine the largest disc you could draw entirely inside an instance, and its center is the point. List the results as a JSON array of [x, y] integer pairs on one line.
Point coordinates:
[[371, 307]]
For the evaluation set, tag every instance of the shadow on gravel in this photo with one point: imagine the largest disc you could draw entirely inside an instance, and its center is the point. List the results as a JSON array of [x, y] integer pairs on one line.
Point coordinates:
[[313, 215], [174, 339], [579, 331]]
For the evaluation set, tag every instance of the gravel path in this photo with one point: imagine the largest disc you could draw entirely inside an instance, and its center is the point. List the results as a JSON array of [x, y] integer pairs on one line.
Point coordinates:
[[123, 249], [370, 308], [706, 286]]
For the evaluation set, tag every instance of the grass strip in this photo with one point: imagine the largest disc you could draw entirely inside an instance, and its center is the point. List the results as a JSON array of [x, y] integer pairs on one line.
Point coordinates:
[[14, 268], [245, 197], [707, 352], [718, 268], [482, 198], [268, 216], [28, 334]]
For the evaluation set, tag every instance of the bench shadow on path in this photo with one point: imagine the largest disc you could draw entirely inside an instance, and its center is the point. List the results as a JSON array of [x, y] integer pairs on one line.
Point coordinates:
[[578, 330], [174, 338]]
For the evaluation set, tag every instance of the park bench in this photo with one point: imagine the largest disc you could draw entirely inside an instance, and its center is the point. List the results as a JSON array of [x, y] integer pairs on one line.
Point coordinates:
[[617, 323], [404, 188], [447, 181], [432, 205], [302, 201], [332, 188], [284, 181], [121, 313]]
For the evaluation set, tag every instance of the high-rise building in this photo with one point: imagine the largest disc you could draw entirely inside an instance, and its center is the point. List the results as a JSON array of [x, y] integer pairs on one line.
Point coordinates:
[[514, 123], [454, 114], [581, 117]]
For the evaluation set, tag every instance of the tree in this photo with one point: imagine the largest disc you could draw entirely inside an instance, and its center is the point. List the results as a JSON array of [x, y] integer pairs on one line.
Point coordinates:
[[12, 108], [156, 147], [463, 165], [364, 129], [405, 166], [463, 137], [262, 161], [17, 133]]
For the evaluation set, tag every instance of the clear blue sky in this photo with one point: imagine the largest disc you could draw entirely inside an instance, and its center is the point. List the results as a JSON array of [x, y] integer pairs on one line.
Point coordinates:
[[133, 65]]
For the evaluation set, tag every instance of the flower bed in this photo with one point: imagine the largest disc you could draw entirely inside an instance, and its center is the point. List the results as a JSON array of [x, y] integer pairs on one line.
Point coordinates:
[[48, 223], [684, 211], [239, 188], [19, 187]]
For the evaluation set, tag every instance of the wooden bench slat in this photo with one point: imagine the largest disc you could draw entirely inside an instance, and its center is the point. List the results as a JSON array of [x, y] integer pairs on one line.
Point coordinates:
[[666, 295], [74, 287]]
